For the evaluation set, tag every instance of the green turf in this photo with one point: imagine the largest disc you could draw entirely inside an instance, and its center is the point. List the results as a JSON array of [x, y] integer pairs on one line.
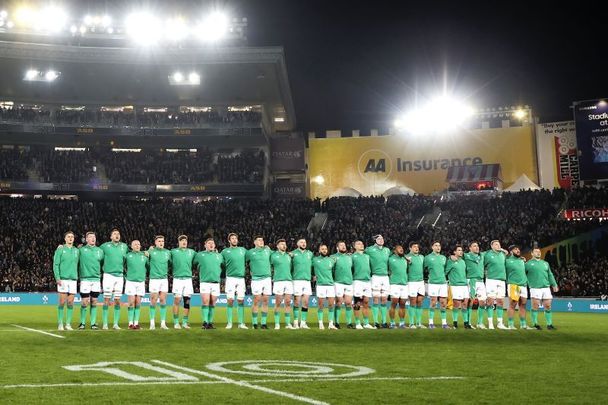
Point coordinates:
[[568, 365]]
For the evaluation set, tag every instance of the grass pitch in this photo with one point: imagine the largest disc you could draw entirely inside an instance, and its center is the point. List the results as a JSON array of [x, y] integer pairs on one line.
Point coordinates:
[[568, 365]]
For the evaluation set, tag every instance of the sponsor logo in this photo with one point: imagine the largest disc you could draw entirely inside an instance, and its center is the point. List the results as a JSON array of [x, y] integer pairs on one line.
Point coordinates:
[[295, 154], [598, 307], [10, 299]]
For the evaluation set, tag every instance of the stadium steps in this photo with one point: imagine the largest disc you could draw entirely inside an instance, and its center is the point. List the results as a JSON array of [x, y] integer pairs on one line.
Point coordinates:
[[101, 172], [432, 218], [317, 223]]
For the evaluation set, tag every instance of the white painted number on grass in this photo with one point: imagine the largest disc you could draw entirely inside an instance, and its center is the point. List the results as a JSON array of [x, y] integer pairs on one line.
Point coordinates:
[[113, 367], [283, 368]]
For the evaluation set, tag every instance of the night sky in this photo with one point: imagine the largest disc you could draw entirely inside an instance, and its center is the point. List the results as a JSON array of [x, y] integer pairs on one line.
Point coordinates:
[[357, 64]]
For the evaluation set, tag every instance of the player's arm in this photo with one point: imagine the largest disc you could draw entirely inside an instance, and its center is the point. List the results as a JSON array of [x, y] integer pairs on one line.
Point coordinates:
[[56, 263], [552, 280]]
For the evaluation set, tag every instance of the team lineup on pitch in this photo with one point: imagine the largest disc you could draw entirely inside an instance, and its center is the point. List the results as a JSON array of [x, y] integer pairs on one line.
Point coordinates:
[[367, 279]]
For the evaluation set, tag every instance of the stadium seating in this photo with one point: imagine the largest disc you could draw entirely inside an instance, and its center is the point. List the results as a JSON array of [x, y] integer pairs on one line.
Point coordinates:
[[35, 227]]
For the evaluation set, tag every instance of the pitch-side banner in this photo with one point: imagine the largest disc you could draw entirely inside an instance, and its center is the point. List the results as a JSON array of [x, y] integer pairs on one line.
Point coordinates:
[[371, 165], [592, 137], [287, 154]]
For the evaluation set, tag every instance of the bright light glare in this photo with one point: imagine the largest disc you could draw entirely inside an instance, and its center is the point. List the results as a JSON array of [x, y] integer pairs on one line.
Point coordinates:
[[520, 114], [88, 20], [52, 19], [51, 75], [176, 29], [320, 180], [3, 14], [194, 78], [213, 27], [31, 74], [143, 28], [106, 20], [440, 115], [178, 77]]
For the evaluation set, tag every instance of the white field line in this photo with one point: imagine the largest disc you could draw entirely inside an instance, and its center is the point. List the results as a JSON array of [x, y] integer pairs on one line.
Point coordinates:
[[39, 331], [111, 384], [244, 384]]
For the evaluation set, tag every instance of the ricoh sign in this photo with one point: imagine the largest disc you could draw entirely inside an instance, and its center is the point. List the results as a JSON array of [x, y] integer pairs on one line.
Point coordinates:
[[591, 213]]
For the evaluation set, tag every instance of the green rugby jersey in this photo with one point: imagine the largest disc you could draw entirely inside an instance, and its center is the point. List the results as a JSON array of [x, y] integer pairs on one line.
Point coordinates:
[[323, 267], [362, 270], [209, 266], [137, 263], [302, 264], [516, 271], [456, 272], [281, 265], [89, 263], [415, 269], [435, 265], [379, 259], [397, 266], [160, 259], [474, 262], [181, 262], [539, 274], [259, 262], [494, 263], [114, 255], [234, 261], [65, 263], [343, 269]]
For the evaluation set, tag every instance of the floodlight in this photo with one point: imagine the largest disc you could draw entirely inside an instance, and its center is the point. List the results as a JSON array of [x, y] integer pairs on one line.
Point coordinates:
[[213, 27], [520, 114], [194, 78], [51, 75], [178, 77], [176, 29], [143, 28], [31, 74]]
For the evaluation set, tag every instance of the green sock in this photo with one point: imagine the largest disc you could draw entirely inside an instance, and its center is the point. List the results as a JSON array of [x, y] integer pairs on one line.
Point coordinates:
[[116, 314], [136, 314], [444, 315], [83, 315], [358, 321], [332, 315], [349, 315], [548, 316], [455, 313], [254, 317], [205, 312], [276, 315], [419, 315], [338, 313], [287, 317], [104, 314], [152, 312], [176, 319], [264, 316], [522, 322], [211, 313], [470, 314], [320, 314], [68, 315], [229, 314], [431, 315], [60, 314], [383, 313], [480, 314], [163, 312], [366, 320], [296, 314], [535, 317], [304, 314], [411, 313], [490, 311], [130, 314], [240, 312], [465, 315], [94, 314], [499, 311], [375, 310], [185, 320], [511, 323]]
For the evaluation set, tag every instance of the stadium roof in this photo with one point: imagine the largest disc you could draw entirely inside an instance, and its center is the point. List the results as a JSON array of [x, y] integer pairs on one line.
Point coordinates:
[[231, 76]]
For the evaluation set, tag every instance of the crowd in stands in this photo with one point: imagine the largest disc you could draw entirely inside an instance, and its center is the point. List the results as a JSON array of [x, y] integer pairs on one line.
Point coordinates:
[[145, 167], [128, 118], [33, 228], [13, 165]]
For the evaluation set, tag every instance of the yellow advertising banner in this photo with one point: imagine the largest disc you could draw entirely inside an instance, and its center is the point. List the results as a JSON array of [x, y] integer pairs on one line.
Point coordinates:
[[372, 165]]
